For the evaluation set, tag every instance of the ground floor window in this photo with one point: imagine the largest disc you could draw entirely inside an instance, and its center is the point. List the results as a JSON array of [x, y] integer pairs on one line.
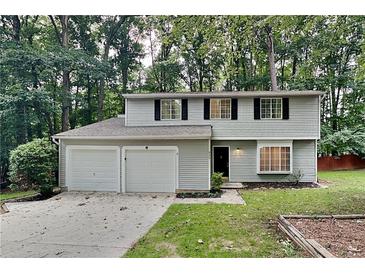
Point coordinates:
[[274, 157]]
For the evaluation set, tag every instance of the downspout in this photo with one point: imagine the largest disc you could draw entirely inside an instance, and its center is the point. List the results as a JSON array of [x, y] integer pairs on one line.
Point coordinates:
[[321, 97], [59, 159], [54, 141]]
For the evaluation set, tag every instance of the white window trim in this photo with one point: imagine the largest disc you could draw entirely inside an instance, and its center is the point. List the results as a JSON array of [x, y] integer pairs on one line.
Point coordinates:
[[261, 144], [220, 113], [281, 111], [168, 99]]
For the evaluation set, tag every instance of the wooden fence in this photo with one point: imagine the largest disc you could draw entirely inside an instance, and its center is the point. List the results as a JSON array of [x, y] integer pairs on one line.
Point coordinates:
[[344, 162]]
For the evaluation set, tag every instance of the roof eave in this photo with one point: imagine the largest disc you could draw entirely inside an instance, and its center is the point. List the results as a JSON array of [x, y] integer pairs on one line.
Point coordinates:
[[161, 137], [223, 94]]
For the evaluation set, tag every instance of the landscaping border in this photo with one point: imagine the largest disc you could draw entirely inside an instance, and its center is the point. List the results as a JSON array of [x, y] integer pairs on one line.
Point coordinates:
[[26, 198], [310, 245]]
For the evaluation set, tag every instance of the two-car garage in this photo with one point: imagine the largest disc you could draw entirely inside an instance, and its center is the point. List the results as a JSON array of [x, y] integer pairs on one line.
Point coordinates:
[[122, 169], [109, 156]]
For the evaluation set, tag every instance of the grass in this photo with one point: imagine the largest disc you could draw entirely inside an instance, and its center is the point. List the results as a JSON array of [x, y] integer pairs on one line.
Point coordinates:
[[17, 194], [248, 231]]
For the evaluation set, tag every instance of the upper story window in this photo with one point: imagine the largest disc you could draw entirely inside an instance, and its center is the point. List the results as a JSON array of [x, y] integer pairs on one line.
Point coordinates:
[[220, 108], [171, 109], [271, 108], [274, 158]]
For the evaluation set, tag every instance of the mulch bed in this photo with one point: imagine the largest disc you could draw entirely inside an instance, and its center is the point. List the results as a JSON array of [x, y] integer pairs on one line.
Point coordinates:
[[342, 237], [281, 185], [199, 195]]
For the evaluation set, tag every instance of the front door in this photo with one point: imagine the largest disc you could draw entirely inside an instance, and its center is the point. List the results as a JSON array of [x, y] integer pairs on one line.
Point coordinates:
[[221, 160]]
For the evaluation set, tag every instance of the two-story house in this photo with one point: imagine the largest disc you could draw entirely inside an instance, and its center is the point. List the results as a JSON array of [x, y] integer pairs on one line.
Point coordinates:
[[169, 142]]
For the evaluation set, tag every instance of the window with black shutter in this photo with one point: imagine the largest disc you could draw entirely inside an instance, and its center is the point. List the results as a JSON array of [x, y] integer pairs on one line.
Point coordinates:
[[234, 109], [157, 110], [285, 108], [206, 109], [256, 108], [184, 106]]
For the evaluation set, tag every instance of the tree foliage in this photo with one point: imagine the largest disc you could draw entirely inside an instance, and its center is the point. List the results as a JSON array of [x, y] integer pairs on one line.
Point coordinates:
[[62, 72]]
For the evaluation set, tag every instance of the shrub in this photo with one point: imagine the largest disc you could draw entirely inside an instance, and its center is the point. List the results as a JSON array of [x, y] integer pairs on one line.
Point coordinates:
[[34, 165], [13, 187], [217, 181], [295, 177]]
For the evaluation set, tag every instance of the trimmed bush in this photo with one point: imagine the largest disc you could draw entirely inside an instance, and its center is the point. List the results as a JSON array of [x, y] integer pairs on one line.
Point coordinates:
[[217, 181], [33, 165]]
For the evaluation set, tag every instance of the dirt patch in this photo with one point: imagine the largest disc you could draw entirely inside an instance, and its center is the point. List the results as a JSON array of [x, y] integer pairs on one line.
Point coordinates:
[[324, 183], [342, 237], [170, 248], [281, 185], [224, 245]]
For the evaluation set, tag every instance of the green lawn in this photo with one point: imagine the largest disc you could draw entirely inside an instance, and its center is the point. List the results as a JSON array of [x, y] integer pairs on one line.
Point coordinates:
[[17, 194], [248, 231]]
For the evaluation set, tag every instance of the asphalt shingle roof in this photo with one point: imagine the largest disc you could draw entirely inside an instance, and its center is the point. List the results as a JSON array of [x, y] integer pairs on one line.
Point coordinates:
[[115, 128]]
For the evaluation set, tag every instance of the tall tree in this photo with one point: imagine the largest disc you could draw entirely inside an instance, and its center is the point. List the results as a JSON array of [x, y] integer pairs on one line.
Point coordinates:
[[63, 39], [110, 28], [271, 55]]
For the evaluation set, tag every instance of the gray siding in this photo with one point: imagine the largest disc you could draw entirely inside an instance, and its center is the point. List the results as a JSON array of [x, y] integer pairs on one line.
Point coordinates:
[[194, 159], [243, 163], [303, 121]]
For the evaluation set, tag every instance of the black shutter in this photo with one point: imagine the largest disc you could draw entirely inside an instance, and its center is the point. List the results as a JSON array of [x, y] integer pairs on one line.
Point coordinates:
[[157, 110], [234, 109], [256, 108], [206, 109], [285, 108], [184, 109]]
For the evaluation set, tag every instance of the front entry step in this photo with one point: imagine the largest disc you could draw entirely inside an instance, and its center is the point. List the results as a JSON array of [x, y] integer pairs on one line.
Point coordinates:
[[232, 186]]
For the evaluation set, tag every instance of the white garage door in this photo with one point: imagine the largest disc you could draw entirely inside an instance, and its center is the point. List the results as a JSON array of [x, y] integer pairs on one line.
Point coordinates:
[[150, 170], [93, 168]]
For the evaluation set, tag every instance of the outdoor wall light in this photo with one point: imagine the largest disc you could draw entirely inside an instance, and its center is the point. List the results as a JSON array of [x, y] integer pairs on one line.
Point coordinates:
[[238, 151]]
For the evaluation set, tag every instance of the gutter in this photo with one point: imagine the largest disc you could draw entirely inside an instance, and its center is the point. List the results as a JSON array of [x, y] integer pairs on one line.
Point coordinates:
[[54, 141], [157, 137], [221, 94]]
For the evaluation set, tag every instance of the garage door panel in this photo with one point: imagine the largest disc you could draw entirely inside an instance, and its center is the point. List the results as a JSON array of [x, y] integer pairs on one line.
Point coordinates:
[[96, 169], [94, 187], [150, 170], [93, 169], [96, 176]]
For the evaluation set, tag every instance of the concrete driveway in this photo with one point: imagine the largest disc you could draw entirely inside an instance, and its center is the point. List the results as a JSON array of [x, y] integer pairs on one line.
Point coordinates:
[[79, 224]]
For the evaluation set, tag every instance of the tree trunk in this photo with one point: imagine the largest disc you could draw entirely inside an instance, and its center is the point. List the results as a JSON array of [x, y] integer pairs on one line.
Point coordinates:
[[200, 80], [101, 95], [294, 67], [282, 73], [333, 109], [16, 28], [73, 112], [124, 79], [271, 54], [66, 100], [88, 100]]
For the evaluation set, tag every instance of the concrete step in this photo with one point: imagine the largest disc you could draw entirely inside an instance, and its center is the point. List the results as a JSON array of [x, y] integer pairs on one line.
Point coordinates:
[[232, 186]]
